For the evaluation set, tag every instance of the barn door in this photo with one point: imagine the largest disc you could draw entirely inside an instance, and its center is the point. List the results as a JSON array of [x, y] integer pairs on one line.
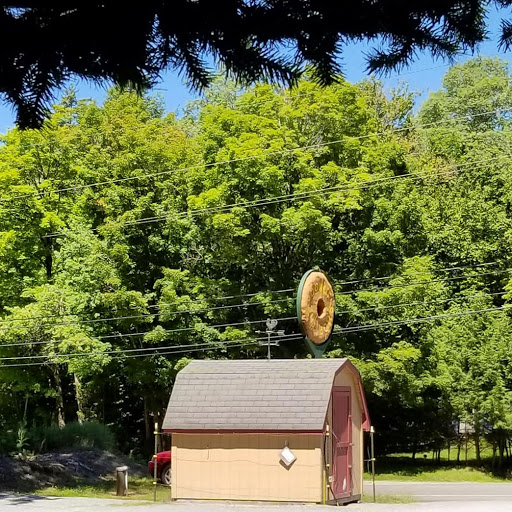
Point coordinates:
[[341, 442]]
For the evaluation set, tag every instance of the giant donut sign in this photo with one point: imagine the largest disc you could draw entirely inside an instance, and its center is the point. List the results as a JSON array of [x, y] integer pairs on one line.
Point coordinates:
[[315, 310]]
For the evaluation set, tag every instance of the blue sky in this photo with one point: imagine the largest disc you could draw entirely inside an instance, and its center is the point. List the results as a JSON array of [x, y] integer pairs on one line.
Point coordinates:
[[423, 76]]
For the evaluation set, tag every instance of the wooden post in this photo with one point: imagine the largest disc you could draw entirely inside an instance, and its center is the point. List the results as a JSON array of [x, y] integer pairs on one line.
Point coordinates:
[[372, 431], [122, 481], [155, 459]]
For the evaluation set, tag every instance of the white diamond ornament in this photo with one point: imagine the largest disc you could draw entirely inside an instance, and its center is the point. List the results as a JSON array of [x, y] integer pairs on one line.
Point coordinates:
[[287, 456]]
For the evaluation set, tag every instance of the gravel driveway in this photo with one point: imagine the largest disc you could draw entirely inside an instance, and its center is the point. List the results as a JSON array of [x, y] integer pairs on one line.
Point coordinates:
[[445, 491], [21, 503]]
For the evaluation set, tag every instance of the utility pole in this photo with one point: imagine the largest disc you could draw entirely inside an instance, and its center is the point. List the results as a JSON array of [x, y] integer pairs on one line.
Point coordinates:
[[271, 325]]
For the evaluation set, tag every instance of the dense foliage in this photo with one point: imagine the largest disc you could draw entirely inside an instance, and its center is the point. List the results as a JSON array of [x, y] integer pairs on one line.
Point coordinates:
[[47, 42], [124, 230]]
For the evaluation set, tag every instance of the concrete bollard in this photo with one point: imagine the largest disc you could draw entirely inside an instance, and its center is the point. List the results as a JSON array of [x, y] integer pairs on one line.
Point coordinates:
[[122, 481]]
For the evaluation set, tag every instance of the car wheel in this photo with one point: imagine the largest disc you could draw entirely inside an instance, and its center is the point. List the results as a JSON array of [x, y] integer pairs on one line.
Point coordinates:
[[166, 475]]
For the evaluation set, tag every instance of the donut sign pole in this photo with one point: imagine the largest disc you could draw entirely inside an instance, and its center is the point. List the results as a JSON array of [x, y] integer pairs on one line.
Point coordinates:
[[315, 310]]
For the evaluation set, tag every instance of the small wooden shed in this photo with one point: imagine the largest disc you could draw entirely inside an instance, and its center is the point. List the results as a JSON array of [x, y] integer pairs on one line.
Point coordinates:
[[278, 430]]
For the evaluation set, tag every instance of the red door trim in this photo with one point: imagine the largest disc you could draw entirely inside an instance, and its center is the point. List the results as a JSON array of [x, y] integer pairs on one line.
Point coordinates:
[[348, 443]]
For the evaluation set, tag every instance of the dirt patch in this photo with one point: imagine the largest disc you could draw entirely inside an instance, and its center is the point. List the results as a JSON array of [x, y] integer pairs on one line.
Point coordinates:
[[63, 468]]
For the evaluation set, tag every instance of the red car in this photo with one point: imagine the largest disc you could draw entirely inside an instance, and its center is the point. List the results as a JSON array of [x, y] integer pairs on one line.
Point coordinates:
[[163, 467]]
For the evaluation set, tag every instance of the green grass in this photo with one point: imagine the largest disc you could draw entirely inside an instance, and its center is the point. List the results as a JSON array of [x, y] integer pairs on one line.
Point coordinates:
[[388, 498], [439, 474], [142, 489], [424, 468], [449, 455], [138, 489], [402, 467]]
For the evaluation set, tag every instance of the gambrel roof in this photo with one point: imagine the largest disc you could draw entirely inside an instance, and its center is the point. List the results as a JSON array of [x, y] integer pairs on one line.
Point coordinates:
[[254, 395]]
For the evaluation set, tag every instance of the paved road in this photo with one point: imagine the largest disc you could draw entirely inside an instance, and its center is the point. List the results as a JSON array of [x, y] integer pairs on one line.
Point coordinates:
[[47, 504], [445, 491]]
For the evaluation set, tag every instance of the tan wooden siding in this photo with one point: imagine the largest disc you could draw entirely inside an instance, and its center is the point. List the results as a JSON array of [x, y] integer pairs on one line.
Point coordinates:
[[246, 467]]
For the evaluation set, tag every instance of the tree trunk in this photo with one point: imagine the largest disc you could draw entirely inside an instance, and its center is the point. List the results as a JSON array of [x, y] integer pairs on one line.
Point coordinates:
[[459, 446], [501, 450], [147, 422], [477, 445], [61, 420], [79, 399], [48, 264], [25, 410]]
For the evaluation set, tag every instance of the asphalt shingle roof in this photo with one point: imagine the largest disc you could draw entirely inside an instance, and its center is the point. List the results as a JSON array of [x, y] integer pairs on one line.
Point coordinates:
[[281, 394]]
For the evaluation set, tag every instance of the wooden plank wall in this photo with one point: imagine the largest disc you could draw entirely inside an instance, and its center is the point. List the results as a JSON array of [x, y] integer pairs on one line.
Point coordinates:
[[246, 467]]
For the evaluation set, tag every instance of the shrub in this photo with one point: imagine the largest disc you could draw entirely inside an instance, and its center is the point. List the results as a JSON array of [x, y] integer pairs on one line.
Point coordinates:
[[7, 442], [73, 435]]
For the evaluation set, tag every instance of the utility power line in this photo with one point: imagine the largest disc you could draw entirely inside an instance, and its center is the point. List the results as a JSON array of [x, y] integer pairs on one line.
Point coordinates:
[[182, 302], [216, 308], [394, 276], [347, 330], [130, 317], [2, 366], [417, 283], [451, 169], [162, 331], [368, 327], [244, 304], [131, 350], [262, 155], [421, 303], [300, 195], [185, 351]]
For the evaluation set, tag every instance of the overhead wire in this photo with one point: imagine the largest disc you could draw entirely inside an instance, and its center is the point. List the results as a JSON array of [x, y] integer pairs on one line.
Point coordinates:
[[184, 302], [215, 308], [262, 155], [417, 283], [133, 317], [185, 351], [161, 331], [147, 349], [368, 327], [294, 336], [445, 269], [451, 169], [420, 303], [217, 163], [181, 302], [299, 195], [252, 322]]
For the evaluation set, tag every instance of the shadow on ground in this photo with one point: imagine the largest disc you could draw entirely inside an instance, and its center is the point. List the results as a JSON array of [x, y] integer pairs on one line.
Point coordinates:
[[22, 499]]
